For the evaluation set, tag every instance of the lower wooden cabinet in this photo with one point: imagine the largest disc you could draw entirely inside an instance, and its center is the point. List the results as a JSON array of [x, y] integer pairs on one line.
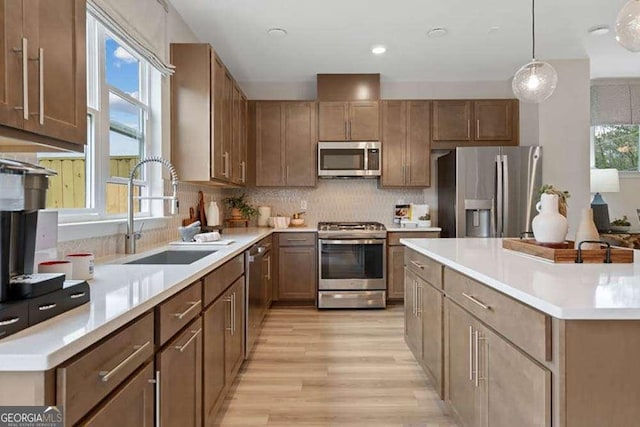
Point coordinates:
[[489, 381], [297, 267], [131, 405], [412, 313], [234, 338], [215, 323], [180, 368]]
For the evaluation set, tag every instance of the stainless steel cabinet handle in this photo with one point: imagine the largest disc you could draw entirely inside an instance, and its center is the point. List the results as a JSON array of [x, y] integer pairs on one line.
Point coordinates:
[[478, 128], [47, 307], [476, 339], [25, 78], [182, 347], [225, 164], [291, 239], [417, 264], [476, 301], [243, 165], [419, 300], [233, 296], [40, 60], [77, 295], [470, 353], [192, 305], [268, 268], [156, 381], [10, 321], [469, 128], [346, 132], [106, 375], [229, 299], [349, 128], [415, 297]]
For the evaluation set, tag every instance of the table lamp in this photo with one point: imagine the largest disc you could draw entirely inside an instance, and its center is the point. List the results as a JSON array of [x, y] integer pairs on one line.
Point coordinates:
[[603, 181]]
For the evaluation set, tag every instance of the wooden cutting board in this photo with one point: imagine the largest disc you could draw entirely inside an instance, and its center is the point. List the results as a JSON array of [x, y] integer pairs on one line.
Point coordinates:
[[202, 216]]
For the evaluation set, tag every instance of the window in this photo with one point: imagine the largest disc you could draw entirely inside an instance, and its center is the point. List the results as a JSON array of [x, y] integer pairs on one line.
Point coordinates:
[[120, 87], [616, 146]]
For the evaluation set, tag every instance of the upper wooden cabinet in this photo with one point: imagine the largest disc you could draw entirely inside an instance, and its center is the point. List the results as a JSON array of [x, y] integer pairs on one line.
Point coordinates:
[[208, 132], [349, 121], [43, 94], [285, 143], [459, 123], [406, 141]]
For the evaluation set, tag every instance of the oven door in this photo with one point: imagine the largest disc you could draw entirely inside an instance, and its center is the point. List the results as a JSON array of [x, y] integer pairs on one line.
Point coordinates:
[[358, 264]]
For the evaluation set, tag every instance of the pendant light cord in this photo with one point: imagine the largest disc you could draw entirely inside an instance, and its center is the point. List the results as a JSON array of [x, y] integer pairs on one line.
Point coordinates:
[[533, 29]]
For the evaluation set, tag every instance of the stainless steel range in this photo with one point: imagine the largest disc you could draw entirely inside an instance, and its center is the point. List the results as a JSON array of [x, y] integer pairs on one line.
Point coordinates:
[[353, 265]]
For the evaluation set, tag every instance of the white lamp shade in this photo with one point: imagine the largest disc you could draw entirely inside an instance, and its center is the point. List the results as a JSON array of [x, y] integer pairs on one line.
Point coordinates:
[[628, 26], [605, 181]]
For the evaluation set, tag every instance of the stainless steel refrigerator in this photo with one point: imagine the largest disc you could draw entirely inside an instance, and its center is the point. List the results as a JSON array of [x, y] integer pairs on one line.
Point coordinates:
[[488, 191]]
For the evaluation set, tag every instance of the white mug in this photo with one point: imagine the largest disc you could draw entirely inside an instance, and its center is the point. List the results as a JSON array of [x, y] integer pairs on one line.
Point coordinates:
[[82, 265], [58, 266]]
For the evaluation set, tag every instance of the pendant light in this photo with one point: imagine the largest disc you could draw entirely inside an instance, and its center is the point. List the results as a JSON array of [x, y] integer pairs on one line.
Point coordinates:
[[535, 81], [628, 26]]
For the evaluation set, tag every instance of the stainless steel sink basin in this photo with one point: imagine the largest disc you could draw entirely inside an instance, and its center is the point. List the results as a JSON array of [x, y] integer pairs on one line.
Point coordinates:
[[172, 257]]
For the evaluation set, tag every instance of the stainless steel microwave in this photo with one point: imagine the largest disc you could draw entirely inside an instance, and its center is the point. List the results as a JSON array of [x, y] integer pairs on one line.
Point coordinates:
[[349, 159]]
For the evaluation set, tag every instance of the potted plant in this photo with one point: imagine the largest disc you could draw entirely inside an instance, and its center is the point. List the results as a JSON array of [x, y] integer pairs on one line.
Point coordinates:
[[562, 197], [424, 220], [240, 209]]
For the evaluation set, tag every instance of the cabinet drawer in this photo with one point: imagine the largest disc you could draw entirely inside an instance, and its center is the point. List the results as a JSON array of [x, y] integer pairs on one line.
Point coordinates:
[[221, 278], [393, 238], [424, 267], [88, 378], [524, 326], [178, 311], [296, 239]]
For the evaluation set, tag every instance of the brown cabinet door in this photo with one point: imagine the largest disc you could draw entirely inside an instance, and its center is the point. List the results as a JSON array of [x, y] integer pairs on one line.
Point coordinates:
[[270, 156], [493, 120], [517, 390], [234, 345], [267, 280], [364, 121], [297, 273], [11, 89], [218, 122], [132, 405], [431, 301], [395, 269], [300, 144], [452, 121], [215, 323], [418, 146], [180, 366], [412, 322], [333, 120], [394, 136], [236, 140], [461, 392], [227, 126], [244, 129], [57, 79]]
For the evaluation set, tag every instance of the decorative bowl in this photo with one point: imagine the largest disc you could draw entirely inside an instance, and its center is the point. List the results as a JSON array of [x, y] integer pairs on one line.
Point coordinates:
[[620, 228]]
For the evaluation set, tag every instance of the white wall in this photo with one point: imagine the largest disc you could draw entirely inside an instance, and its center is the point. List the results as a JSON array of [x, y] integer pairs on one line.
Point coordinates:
[[564, 122], [626, 201]]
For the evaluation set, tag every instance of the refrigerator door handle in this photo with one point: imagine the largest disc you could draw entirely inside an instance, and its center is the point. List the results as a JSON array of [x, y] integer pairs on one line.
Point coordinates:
[[505, 193], [499, 195]]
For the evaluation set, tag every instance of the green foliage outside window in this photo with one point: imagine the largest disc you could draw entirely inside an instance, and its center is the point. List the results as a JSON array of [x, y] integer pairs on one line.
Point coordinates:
[[616, 146]]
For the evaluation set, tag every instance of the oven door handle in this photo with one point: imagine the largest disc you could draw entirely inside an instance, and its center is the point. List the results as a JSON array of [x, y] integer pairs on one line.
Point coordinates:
[[353, 242]]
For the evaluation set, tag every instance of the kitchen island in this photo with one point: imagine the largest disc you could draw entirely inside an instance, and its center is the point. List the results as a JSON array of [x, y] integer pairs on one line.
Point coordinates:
[[515, 340]]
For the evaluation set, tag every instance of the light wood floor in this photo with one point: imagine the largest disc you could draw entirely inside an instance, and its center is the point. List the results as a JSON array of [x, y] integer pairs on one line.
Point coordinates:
[[332, 368]]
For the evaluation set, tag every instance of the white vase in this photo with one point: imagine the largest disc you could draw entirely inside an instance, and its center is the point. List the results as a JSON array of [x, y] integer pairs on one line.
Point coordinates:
[[587, 230], [549, 226]]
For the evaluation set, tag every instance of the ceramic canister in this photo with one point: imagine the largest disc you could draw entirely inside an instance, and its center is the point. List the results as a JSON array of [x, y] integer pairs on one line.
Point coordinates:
[[549, 226]]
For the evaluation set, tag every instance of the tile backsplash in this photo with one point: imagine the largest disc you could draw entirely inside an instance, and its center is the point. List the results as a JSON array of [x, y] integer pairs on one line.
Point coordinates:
[[340, 200]]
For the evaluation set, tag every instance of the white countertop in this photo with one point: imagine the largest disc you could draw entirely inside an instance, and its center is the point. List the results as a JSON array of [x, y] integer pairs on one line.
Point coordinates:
[[396, 228], [564, 291], [119, 294]]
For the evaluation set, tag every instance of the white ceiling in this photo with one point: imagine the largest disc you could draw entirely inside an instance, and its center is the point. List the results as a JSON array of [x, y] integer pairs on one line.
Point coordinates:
[[336, 36]]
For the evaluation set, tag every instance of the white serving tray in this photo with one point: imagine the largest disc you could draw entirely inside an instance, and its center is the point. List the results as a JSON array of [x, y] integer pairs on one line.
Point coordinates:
[[223, 242]]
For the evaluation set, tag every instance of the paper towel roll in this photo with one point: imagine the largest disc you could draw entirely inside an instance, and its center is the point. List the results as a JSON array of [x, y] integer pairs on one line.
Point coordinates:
[[264, 213]]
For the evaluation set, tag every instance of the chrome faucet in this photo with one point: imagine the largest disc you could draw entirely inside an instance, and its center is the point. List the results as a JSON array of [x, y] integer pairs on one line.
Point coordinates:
[[132, 236]]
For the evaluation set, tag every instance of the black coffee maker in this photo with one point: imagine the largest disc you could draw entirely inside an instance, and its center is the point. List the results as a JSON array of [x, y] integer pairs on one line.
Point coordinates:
[[23, 189]]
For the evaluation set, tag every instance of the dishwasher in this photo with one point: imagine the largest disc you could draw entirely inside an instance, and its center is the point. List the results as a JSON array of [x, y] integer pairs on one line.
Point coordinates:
[[257, 260]]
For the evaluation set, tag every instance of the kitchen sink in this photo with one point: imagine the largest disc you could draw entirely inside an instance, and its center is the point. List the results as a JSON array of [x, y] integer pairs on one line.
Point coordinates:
[[172, 257]]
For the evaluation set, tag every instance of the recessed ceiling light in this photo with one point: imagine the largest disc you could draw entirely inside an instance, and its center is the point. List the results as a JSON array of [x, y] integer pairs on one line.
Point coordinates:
[[378, 50], [435, 33], [277, 32], [599, 30]]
